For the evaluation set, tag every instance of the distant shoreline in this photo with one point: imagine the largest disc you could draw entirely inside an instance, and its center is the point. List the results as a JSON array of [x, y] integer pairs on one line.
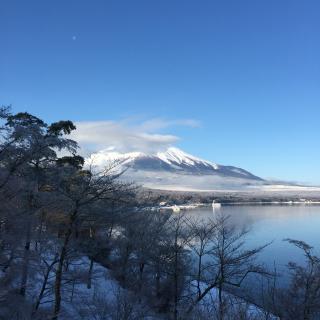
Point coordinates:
[[193, 206]]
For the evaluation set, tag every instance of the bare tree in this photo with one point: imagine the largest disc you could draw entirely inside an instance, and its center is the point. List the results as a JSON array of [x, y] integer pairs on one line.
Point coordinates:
[[302, 299], [230, 262], [78, 190], [201, 245], [177, 257]]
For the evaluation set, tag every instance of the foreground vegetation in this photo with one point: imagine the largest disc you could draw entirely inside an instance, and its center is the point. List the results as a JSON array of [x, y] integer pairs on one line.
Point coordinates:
[[62, 224]]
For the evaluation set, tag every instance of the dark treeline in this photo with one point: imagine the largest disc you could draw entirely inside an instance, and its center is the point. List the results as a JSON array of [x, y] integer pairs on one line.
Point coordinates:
[[230, 197], [66, 228]]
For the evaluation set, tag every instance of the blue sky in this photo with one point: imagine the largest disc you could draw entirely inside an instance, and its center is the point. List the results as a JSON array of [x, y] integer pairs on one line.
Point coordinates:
[[238, 82]]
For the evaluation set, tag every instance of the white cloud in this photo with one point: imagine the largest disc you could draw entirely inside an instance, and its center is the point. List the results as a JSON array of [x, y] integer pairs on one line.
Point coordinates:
[[125, 136], [158, 124]]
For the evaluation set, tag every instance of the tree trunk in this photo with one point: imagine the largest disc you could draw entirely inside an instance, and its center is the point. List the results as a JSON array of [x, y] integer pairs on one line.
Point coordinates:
[[175, 279], [26, 255], [199, 275], [62, 257], [141, 268], [72, 291], [221, 307], [199, 298], [38, 240], [89, 283], [158, 282], [43, 287]]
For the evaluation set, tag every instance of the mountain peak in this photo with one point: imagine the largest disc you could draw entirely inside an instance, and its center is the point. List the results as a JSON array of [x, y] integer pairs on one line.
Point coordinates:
[[175, 155], [173, 167]]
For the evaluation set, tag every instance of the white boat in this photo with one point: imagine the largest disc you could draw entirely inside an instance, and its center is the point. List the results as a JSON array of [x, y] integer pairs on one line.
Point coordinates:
[[175, 208], [216, 205]]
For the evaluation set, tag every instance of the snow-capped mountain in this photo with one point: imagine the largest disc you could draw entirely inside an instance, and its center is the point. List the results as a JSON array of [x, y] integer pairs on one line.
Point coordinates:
[[175, 169]]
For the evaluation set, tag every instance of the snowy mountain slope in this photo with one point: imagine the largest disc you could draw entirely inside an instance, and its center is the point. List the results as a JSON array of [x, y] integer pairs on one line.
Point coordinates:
[[176, 170], [172, 160]]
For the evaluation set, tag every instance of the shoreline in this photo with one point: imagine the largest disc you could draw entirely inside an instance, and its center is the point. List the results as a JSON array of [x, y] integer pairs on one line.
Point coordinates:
[[185, 207]]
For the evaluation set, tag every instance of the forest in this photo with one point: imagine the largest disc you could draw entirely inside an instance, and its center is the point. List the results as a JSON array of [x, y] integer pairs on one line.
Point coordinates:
[[77, 243]]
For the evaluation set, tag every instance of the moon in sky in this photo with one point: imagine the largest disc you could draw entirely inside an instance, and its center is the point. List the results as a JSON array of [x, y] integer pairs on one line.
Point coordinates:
[[74, 38]]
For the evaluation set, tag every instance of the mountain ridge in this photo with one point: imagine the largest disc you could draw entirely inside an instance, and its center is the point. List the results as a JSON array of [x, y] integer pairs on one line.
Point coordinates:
[[174, 168]]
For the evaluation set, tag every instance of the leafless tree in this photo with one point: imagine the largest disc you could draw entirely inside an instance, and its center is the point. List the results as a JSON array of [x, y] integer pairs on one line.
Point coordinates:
[[230, 262], [302, 299], [201, 245]]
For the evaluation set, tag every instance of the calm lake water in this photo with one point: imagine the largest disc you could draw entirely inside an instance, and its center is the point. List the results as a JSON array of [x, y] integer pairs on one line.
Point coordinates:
[[274, 223]]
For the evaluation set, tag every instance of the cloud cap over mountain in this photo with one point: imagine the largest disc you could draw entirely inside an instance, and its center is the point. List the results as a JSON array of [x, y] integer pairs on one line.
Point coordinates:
[[126, 135]]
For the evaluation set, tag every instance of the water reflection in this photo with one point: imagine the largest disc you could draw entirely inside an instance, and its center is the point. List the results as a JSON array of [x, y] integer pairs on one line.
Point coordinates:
[[273, 223]]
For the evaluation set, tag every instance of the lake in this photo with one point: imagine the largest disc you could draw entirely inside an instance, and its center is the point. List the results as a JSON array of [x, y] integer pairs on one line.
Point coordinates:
[[274, 223]]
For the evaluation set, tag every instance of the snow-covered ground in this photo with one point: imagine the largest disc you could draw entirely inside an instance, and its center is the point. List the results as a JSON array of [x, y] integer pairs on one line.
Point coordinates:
[[233, 306], [103, 299], [106, 299]]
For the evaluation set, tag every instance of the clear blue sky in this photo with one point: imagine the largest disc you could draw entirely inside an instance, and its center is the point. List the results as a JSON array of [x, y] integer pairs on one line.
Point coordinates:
[[248, 71]]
